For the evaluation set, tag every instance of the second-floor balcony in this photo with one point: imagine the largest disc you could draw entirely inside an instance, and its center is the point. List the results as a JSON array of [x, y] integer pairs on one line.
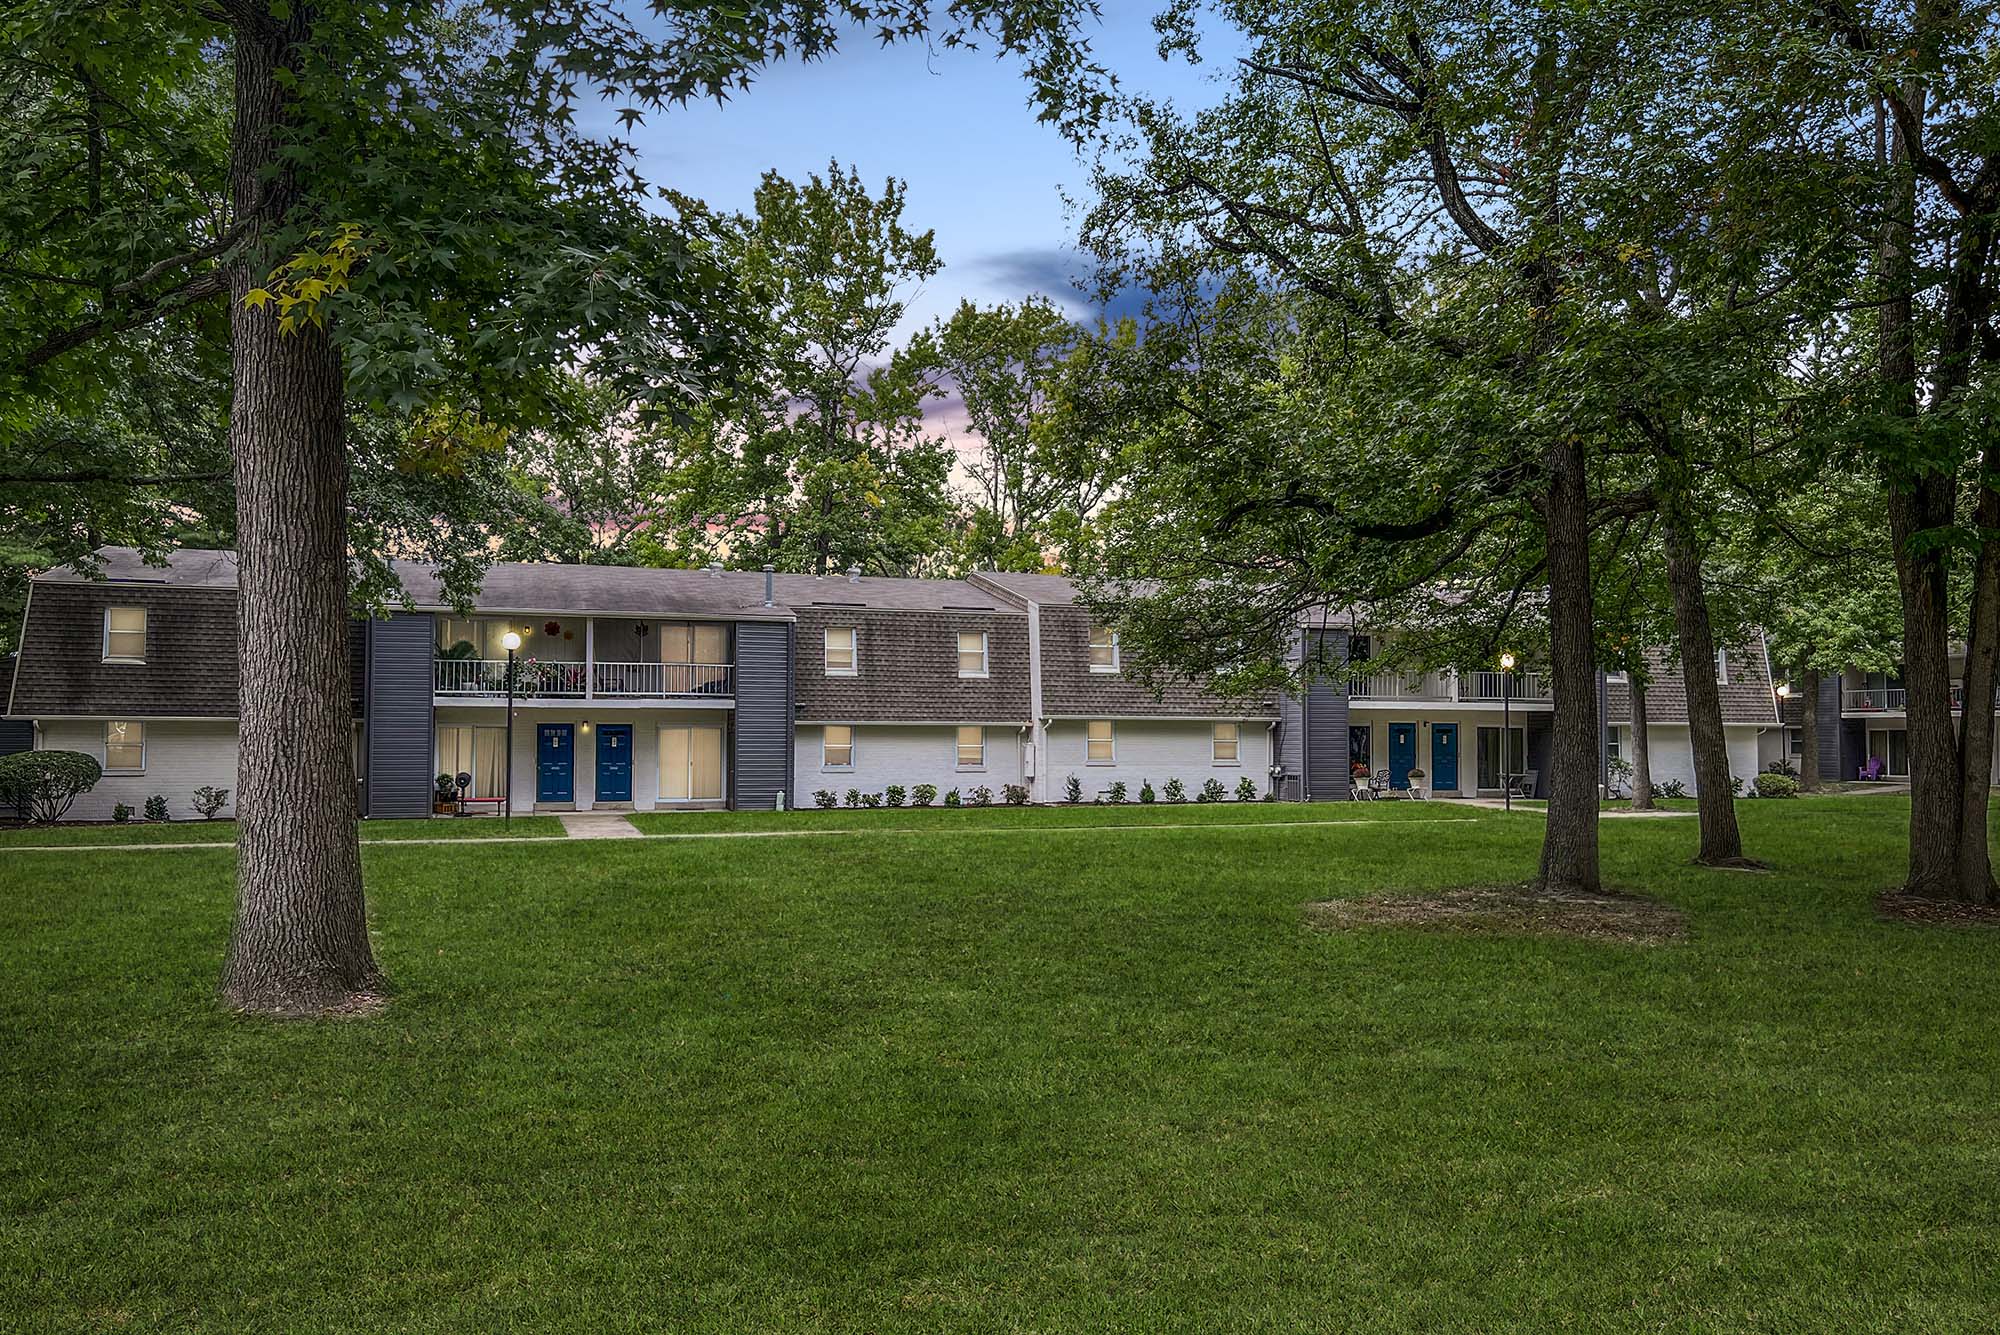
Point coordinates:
[[1449, 687], [1894, 699], [536, 679], [618, 659]]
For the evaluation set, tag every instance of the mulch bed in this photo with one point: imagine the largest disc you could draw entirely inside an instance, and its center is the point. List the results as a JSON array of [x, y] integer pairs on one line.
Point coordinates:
[[1899, 907], [1630, 919]]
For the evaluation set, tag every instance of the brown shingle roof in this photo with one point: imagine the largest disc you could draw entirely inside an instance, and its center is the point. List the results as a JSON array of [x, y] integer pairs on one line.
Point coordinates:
[[1747, 697]]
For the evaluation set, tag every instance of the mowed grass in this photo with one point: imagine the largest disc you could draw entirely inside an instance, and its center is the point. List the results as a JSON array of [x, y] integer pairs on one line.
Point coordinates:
[[1060, 1081]]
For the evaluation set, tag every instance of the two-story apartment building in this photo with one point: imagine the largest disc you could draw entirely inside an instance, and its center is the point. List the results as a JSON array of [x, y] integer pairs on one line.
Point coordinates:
[[634, 689]]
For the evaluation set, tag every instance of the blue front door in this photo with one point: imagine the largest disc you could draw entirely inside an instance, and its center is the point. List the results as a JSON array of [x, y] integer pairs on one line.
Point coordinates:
[[1444, 757], [555, 763], [614, 762], [1402, 753]]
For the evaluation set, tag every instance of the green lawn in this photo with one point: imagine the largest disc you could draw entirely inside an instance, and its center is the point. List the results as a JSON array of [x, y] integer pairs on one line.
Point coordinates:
[[1055, 1081], [224, 832]]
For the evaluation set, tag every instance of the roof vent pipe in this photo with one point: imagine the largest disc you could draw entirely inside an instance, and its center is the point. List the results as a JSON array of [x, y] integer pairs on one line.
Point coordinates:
[[769, 580], [854, 574]]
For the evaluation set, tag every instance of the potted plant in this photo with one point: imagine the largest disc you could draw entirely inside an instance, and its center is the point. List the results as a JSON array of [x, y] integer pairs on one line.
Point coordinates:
[[1416, 783], [445, 801]]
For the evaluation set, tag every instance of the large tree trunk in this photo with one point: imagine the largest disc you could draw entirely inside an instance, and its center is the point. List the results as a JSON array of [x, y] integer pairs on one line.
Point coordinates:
[[1974, 862], [1642, 747], [1808, 731], [1569, 843], [300, 944], [1721, 841]]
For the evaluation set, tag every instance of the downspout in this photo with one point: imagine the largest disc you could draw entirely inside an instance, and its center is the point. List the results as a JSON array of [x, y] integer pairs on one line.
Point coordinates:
[[1271, 754]]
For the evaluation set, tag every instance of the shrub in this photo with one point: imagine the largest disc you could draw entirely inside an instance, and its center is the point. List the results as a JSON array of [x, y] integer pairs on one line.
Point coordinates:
[[1246, 789], [951, 798], [923, 794], [43, 785], [893, 795], [1212, 791], [1176, 791], [824, 800], [853, 798], [156, 808], [122, 812], [1784, 767], [871, 800], [1736, 785], [1072, 790], [447, 789], [1774, 784], [1115, 794], [1671, 788], [1146, 793], [982, 796], [1016, 794], [1270, 795], [210, 800]]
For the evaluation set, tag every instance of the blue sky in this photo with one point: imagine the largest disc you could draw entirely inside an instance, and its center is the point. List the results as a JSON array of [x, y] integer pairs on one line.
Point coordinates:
[[956, 125]]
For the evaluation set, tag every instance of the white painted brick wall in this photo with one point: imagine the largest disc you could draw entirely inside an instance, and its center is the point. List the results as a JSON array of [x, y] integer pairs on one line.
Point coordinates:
[[180, 757], [1156, 751], [904, 754]]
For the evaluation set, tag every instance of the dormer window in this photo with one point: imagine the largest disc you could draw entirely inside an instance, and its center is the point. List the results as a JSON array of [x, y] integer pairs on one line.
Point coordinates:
[[124, 634], [1103, 649], [972, 653], [841, 659]]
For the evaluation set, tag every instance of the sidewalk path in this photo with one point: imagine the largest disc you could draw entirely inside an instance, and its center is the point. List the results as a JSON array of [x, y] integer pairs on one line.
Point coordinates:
[[598, 825]]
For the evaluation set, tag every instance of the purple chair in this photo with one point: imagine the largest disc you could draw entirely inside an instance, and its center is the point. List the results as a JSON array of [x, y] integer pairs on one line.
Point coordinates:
[[1875, 769]]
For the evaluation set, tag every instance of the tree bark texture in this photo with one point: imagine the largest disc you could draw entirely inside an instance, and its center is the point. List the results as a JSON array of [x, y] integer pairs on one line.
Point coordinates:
[[1569, 846], [1721, 840], [1642, 747], [300, 942], [1973, 867]]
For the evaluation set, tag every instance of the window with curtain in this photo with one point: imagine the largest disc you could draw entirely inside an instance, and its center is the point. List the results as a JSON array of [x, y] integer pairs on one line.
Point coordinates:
[[1490, 767], [124, 634], [691, 765], [480, 752], [840, 655], [836, 746], [125, 747], [1099, 742], [971, 748], [1225, 743], [972, 653], [1103, 649]]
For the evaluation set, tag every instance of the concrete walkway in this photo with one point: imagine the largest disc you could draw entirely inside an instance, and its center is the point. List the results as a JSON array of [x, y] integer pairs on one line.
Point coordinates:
[[598, 825]]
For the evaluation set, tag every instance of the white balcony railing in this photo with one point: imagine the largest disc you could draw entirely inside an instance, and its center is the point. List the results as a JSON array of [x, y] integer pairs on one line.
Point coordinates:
[[662, 679], [533, 678], [1530, 687], [1403, 686], [1882, 699]]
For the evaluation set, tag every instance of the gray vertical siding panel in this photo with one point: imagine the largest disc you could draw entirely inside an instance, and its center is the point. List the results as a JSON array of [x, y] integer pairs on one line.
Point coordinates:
[[1289, 756], [761, 767], [1603, 731], [1830, 758], [1541, 745], [398, 712], [16, 734], [1853, 744], [1326, 760]]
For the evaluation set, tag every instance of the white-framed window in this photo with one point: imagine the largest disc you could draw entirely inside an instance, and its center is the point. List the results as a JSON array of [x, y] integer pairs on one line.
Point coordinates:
[[124, 634], [124, 747], [972, 653], [1617, 678], [480, 752], [1100, 742], [1103, 649], [1493, 767], [842, 660], [1225, 742], [1722, 667], [1795, 741], [1614, 743], [836, 746], [972, 748]]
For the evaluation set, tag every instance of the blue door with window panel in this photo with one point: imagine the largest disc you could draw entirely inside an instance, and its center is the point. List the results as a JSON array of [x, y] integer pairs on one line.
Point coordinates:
[[614, 762], [1402, 753], [555, 762], [1444, 757]]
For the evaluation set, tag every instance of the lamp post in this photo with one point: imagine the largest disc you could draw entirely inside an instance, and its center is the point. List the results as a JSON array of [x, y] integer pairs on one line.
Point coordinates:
[[1507, 730], [510, 642]]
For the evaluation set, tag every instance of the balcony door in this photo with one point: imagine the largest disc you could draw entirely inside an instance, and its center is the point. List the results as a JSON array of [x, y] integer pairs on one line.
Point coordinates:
[[691, 763]]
